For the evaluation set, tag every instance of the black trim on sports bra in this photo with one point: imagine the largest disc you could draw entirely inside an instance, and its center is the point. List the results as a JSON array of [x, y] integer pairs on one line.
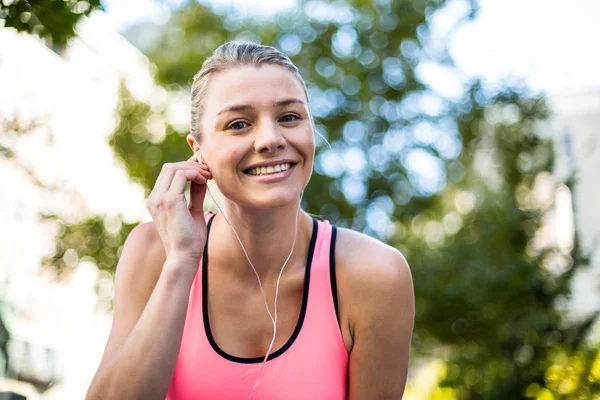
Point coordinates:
[[253, 360], [332, 277]]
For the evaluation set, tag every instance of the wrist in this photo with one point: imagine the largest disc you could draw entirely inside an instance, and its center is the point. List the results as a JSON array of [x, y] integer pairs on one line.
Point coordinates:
[[183, 265]]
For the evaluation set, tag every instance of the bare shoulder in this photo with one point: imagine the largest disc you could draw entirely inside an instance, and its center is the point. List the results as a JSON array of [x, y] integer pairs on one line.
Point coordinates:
[[138, 270], [373, 281], [364, 261], [143, 244]]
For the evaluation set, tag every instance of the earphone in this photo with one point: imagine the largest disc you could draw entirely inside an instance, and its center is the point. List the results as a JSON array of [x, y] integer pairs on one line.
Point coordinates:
[[273, 319]]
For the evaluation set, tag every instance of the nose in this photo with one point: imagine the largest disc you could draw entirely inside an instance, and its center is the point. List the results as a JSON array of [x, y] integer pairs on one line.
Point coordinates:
[[269, 138]]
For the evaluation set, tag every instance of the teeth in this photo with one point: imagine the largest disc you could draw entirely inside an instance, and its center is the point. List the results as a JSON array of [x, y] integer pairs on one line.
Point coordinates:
[[269, 170]]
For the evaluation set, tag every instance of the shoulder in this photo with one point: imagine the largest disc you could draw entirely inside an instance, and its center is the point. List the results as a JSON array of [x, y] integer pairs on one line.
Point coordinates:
[[366, 261], [145, 231], [147, 236], [138, 269], [374, 279], [145, 245], [143, 251], [376, 287]]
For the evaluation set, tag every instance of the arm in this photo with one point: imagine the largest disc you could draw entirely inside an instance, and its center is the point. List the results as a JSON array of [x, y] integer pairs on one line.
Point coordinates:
[[151, 299], [382, 323]]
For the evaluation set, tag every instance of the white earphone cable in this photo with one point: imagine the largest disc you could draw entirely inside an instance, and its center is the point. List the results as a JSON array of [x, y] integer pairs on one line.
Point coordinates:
[[273, 319]]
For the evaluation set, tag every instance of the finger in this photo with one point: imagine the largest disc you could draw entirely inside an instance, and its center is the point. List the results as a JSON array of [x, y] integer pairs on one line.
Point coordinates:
[[203, 169], [181, 178], [167, 174], [196, 206], [205, 173], [200, 179], [194, 161], [163, 182]]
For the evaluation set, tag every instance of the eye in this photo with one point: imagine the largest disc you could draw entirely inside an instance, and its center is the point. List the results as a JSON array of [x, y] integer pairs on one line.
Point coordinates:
[[289, 118], [237, 125]]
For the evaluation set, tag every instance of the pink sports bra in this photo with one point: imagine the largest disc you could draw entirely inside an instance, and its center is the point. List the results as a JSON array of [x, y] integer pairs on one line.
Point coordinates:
[[312, 364]]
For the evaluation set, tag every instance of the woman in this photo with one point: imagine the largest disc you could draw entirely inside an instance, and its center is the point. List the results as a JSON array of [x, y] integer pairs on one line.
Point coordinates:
[[187, 326]]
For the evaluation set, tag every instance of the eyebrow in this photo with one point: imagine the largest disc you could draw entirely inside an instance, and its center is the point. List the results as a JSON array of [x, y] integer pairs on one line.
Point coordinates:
[[245, 107]]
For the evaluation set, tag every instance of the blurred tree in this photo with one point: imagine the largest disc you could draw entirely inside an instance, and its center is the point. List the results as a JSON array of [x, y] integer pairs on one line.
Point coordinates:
[[449, 179], [51, 20], [12, 131], [4, 339]]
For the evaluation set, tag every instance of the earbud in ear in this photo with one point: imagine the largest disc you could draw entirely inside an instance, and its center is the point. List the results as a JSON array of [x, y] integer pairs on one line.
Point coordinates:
[[201, 162]]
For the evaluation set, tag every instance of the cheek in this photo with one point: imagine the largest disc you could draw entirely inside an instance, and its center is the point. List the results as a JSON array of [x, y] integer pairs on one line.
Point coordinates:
[[228, 157], [304, 138], [308, 145]]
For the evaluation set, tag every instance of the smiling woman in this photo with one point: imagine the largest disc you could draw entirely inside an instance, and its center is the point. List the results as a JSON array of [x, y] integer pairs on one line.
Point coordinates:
[[345, 299]]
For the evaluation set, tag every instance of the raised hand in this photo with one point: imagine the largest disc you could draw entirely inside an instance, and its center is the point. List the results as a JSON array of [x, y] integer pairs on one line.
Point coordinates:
[[182, 227]]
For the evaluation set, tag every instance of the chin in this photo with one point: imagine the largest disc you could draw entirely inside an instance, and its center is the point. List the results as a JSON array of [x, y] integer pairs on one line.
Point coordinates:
[[279, 197]]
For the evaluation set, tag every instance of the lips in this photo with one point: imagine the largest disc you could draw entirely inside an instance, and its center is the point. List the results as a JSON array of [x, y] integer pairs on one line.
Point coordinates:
[[247, 171], [272, 177]]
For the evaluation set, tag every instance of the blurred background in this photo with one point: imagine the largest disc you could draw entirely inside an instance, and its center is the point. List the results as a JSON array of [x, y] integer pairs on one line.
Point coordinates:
[[464, 133]]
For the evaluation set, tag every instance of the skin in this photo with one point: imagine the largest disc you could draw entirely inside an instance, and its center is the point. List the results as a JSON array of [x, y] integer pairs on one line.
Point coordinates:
[[232, 141], [375, 290]]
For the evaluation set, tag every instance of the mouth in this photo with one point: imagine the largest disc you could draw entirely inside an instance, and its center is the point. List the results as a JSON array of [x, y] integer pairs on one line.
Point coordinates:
[[275, 174], [267, 171]]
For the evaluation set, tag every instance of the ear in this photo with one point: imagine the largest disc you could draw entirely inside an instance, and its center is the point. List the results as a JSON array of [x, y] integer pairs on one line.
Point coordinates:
[[191, 141]]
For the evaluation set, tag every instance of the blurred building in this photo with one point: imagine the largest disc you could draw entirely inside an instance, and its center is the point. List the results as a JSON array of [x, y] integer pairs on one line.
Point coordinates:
[[576, 129], [57, 332]]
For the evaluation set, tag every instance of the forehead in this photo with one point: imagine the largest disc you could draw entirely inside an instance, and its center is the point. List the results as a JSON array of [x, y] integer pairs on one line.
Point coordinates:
[[254, 85]]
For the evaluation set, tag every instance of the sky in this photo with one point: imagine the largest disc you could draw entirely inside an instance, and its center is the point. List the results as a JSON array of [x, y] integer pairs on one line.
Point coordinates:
[[127, 12], [552, 44], [548, 43]]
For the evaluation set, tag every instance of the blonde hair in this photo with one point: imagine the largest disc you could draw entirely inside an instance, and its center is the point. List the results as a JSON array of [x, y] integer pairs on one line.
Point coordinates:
[[228, 55]]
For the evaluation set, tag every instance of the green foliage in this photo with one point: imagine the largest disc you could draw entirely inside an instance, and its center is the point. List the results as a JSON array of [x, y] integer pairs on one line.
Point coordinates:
[[4, 339], [132, 139], [485, 294], [485, 290], [98, 239], [190, 37], [52, 20]]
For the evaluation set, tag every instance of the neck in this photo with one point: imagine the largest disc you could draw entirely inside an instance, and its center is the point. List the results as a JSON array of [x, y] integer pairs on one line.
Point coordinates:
[[267, 235]]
